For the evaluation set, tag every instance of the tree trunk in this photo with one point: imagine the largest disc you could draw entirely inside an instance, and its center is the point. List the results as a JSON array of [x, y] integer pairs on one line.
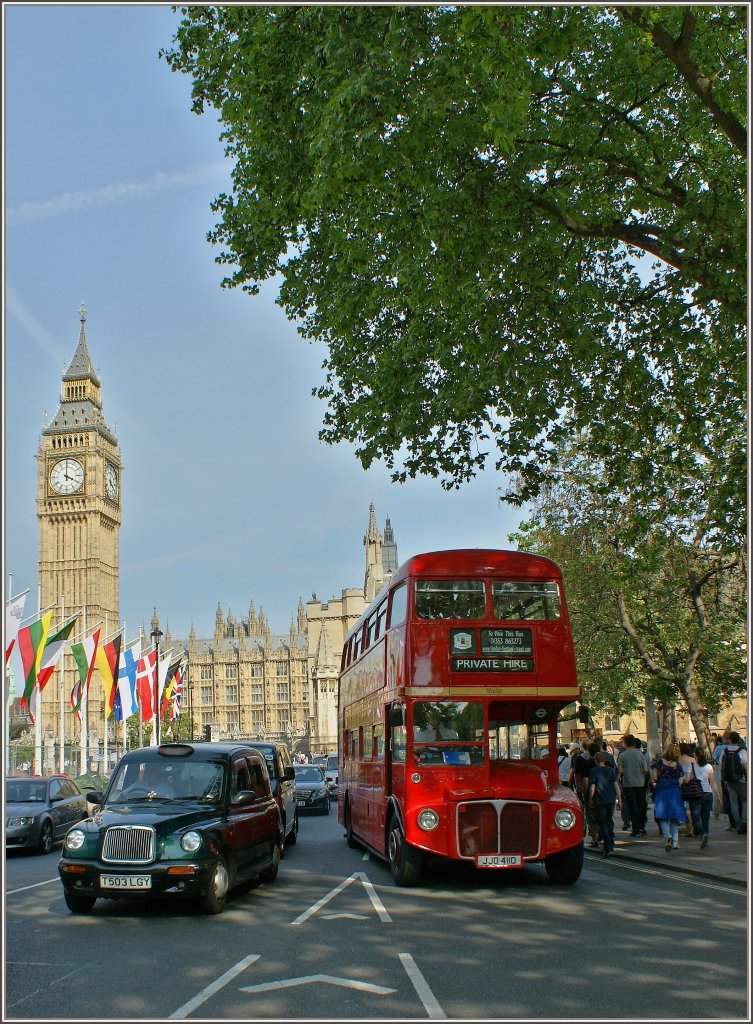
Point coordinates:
[[652, 729]]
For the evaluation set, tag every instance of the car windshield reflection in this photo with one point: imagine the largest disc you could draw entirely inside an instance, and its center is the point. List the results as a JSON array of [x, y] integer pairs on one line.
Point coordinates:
[[167, 781]]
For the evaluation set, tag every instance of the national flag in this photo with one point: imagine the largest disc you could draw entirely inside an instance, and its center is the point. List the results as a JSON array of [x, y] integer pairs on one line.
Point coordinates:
[[146, 678], [126, 702], [53, 649], [31, 641], [14, 611], [108, 663], [177, 691], [164, 668], [169, 687], [84, 655]]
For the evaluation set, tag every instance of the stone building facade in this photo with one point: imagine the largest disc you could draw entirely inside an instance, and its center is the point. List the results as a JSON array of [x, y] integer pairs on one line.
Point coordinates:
[[246, 682]]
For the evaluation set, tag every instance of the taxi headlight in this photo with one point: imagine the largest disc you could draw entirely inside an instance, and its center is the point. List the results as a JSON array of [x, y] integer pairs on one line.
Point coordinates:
[[428, 820], [75, 839], [564, 818], [190, 842]]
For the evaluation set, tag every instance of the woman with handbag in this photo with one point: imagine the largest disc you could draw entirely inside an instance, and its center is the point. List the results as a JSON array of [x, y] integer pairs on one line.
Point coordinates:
[[669, 809], [699, 790]]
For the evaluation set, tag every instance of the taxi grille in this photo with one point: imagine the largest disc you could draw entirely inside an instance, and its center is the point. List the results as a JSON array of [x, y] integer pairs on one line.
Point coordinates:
[[128, 844], [498, 826]]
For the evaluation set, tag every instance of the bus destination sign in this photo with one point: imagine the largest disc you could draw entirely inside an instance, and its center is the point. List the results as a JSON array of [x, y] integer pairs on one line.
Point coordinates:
[[492, 665], [517, 642]]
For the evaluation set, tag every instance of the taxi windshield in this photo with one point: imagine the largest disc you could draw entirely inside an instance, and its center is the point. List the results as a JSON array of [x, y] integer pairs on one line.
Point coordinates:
[[150, 780]]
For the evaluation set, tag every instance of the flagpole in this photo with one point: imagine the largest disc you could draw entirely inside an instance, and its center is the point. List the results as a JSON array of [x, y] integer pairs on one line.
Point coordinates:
[[84, 711], [122, 709], [38, 721], [9, 698], [141, 724], [61, 755], [105, 702]]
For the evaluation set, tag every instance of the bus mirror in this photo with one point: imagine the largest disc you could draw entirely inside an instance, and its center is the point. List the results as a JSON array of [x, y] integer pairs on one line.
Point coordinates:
[[397, 715], [584, 714]]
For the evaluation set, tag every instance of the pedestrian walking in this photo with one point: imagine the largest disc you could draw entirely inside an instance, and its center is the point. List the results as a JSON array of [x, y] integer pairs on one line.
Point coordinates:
[[716, 758], [584, 762], [701, 796], [603, 796], [734, 771], [669, 807], [563, 766], [686, 760], [632, 774]]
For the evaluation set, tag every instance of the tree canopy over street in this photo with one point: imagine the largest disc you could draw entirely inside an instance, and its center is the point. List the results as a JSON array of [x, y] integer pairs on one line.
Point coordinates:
[[509, 224]]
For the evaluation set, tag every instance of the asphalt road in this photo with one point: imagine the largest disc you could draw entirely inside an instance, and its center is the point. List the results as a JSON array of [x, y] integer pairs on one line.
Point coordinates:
[[334, 938]]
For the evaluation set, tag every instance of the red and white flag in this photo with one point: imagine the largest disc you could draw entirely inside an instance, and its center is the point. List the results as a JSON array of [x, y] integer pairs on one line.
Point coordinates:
[[146, 680]]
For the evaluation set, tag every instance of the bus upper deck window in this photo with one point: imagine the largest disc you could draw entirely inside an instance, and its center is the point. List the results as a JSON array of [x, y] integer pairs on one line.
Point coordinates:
[[450, 599], [398, 605], [516, 601]]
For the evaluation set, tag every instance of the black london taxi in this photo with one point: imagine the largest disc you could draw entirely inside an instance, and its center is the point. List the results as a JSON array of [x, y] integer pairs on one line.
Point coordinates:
[[282, 776], [189, 820]]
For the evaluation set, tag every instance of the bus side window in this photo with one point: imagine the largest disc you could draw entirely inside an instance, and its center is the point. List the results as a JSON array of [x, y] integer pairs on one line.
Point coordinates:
[[378, 743], [353, 746], [368, 744], [398, 605], [381, 615]]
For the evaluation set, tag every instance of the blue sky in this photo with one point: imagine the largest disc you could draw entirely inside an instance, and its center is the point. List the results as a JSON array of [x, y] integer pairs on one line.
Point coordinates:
[[108, 179]]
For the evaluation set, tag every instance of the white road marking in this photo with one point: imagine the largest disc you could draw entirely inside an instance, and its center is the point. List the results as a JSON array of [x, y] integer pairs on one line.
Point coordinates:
[[336, 917], [678, 876], [210, 990], [23, 888], [370, 891], [421, 986], [328, 979]]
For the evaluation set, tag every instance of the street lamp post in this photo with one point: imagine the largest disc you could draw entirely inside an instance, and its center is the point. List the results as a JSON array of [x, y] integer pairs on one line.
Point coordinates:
[[156, 637]]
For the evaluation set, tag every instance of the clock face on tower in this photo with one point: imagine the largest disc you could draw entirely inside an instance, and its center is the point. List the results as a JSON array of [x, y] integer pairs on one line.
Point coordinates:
[[111, 481], [67, 476]]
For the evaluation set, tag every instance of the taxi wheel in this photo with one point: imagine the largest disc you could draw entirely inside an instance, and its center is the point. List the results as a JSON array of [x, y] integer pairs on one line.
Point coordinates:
[[79, 903], [216, 897], [45, 839], [405, 860], [270, 873], [292, 837]]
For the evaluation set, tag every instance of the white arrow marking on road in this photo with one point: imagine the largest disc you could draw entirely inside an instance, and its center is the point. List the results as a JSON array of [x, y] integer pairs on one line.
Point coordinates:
[[370, 891], [335, 917], [362, 986], [421, 986], [192, 1004]]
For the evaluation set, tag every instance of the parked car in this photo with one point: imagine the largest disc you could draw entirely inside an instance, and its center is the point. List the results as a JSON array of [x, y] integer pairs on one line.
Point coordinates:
[[180, 819], [331, 773], [311, 788], [282, 776], [40, 810]]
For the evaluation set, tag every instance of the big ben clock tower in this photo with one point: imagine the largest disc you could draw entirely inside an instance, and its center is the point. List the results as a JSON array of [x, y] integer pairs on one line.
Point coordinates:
[[78, 507]]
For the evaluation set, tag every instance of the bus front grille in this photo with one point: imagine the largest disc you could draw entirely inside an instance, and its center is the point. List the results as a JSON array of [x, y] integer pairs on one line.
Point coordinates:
[[128, 844], [498, 826]]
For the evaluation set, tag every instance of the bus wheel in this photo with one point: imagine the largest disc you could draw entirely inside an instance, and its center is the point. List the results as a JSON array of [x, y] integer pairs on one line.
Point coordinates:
[[405, 860], [350, 839], [565, 868]]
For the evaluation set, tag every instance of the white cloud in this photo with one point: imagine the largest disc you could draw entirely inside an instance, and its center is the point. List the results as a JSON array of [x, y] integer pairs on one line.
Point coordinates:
[[34, 328], [118, 194]]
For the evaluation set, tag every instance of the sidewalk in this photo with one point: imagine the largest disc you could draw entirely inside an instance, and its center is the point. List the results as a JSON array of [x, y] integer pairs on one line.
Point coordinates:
[[725, 859]]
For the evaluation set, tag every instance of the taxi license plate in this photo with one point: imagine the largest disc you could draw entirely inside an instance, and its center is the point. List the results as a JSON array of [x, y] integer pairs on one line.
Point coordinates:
[[499, 860], [125, 881]]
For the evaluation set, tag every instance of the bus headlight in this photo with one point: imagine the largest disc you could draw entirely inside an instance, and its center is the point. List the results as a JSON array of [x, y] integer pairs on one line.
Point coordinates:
[[564, 819], [428, 820], [75, 839]]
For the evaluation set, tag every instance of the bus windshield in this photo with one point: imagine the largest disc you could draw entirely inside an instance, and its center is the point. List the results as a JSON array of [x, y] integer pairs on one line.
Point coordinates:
[[450, 599], [448, 732]]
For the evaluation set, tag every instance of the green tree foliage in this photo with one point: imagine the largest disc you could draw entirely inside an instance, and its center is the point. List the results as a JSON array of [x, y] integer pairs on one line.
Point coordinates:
[[660, 615], [509, 224]]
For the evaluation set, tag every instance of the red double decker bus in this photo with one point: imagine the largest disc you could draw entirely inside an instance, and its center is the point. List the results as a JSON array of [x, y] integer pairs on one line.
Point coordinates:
[[451, 686]]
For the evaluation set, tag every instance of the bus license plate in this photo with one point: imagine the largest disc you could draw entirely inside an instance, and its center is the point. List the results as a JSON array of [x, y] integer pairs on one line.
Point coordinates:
[[125, 881], [499, 860]]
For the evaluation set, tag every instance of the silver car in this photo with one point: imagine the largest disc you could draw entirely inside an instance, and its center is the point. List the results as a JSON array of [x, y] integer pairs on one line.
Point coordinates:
[[40, 810]]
